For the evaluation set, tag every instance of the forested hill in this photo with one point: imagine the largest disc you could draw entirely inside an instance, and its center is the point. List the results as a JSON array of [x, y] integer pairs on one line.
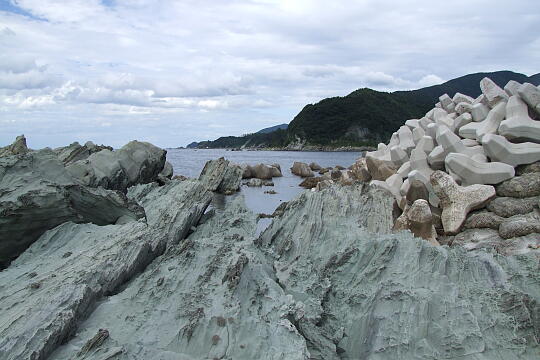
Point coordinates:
[[367, 116], [364, 117]]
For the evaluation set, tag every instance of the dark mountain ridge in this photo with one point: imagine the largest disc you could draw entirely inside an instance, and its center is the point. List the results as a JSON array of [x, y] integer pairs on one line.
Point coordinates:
[[365, 116]]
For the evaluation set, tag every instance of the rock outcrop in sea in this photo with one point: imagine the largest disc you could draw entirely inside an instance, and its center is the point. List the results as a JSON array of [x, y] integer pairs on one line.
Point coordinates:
[[343, 271]]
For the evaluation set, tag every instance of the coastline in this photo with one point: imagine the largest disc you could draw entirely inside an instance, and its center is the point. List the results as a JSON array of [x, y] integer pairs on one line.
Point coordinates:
[[305, 149]]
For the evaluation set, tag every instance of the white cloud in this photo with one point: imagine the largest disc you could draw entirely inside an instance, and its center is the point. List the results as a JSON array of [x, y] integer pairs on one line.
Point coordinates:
[[144, 66]]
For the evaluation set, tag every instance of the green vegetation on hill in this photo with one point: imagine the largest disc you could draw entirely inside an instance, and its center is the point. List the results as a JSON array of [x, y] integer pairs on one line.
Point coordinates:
[[365, 116], [277, 138]]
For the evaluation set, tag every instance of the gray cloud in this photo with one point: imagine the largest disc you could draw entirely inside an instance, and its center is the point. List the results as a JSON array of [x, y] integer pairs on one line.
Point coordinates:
[[172, 72]]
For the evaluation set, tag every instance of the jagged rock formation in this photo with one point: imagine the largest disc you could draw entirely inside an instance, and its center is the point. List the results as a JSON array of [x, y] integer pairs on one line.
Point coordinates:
[[37, 194], [75, 152], [18, 147], [135, 163], [221, 176], [327, 280], [58, 281]]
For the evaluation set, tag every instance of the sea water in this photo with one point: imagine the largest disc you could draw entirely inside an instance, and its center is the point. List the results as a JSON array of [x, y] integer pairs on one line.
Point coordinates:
[[190, 162]]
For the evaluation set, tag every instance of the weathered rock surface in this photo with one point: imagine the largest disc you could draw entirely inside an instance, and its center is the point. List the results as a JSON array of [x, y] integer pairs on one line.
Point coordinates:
[[311, 182], [37, 194], [360, 170], [526, 185], [354, 300], [334, 285], [221, 176], [261, 171], [254, 182], [519, 226], [418, 219], [301, 169], [314, 166], [482, 220], [380, 169], [457, 201], [57, 282], [508, 206], [18, 147], [75, 151], [530, 168], [134, 163]]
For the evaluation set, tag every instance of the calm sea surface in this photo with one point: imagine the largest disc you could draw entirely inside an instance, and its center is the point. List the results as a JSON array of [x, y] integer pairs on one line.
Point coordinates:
[[190, 162]]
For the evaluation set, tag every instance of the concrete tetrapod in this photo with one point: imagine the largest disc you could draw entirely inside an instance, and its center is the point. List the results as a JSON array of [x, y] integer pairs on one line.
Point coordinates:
[[518, 124], [418, 219], [479, 112], [452, 143], [471, 171], [531, 95], [500, 149], [493, 93], [491, 124], [457, 201]]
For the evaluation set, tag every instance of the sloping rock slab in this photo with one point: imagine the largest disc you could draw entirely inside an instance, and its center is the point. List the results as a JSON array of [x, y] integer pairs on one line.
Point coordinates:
[[56, 283], [37, 194], [212, 296], [361, 295]]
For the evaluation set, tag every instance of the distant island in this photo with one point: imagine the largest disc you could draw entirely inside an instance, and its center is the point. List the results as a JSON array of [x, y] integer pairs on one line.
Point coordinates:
[[359, 120]]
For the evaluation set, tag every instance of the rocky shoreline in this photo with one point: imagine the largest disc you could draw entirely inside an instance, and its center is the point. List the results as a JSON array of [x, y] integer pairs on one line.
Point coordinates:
[[106, 255], [303, 148]]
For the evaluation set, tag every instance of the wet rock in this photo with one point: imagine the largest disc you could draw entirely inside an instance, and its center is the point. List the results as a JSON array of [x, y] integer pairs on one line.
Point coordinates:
[[134, 163], [254, 182], [380, 169], [457, 201], [324, 170], [483, 220], [314, 166], [301, 169], [523, 186], [17, 148], [312, 182], [507, 206], [264, 172], [268, 183]]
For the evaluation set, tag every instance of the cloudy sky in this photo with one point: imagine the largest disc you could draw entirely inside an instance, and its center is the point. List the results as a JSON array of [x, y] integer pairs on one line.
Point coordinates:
[[172, 72]]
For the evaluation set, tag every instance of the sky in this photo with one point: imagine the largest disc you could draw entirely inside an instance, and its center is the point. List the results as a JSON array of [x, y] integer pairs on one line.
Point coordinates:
[[172, 72]]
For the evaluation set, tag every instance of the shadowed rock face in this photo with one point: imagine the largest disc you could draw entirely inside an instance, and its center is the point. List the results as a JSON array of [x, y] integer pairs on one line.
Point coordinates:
[[37, 194], [57, 282]]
